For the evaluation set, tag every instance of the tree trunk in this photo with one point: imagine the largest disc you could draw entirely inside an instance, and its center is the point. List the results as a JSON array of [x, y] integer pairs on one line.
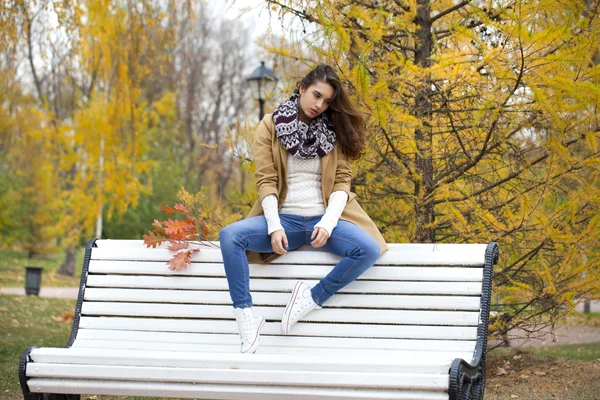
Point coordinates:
[[424, 139], [68, 267], [100, 189]]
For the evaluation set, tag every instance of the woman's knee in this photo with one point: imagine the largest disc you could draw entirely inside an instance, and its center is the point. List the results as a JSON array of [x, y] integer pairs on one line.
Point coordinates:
[[371, 250], [237, 231], [227, 234], [367, 249]]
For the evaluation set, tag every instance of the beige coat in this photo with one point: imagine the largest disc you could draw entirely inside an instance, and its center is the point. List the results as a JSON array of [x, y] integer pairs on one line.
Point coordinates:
[[270, 159]]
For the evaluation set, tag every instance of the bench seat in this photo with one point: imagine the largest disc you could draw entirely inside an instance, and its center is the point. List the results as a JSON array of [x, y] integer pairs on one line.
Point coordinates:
[[395, 333]]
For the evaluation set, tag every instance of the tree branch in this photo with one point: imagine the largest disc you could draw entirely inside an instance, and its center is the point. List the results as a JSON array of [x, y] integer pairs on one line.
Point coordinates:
[[449, 10], [301, 14], [36, 79], [470, 164], [399, 155]]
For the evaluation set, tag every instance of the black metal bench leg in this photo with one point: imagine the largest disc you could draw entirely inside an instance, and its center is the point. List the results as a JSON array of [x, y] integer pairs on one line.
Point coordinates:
[[27, 395], [33, 396], [53, 396], [466, 381]]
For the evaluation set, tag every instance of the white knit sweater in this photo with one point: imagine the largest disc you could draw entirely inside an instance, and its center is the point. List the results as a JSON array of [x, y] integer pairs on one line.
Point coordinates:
[[305, 196], [304, 187]]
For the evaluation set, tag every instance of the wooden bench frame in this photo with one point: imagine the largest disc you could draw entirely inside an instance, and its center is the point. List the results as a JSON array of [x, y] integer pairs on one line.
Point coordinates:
[[466, 379]]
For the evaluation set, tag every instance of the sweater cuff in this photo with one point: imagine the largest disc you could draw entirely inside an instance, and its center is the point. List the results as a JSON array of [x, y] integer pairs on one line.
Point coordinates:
[[335, 207], [269, 205]]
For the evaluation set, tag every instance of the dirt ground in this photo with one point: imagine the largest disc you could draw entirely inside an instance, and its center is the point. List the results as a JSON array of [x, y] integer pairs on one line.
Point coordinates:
[[527, 376]]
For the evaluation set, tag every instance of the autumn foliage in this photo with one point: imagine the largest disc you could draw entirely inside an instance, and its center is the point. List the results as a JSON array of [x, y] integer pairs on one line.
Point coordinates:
[[483, 126], [106, 109], [179, 233], [199, 222]]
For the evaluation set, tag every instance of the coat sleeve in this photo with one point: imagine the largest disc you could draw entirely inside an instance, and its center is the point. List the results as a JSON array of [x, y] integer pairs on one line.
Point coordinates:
[[262, 152], [343, 174]]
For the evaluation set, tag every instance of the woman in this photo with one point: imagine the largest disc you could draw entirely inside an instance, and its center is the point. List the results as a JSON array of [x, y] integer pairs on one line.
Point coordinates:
[[303, 174]]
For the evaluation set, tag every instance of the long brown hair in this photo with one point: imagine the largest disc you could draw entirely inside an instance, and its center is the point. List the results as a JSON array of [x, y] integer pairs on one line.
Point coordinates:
[[348, 124]]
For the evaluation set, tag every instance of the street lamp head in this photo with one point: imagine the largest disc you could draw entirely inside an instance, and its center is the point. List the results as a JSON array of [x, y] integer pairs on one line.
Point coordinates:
[[260, 80]]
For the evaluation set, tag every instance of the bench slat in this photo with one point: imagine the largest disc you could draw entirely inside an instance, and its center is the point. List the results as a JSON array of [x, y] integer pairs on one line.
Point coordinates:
[[230, 392], [276, 313], [301, 328], [280, 285], [450, 256], [393, 247], [400, 273], [291, 351], [251, 377], [435, 363], [277, 341], [281, 299]]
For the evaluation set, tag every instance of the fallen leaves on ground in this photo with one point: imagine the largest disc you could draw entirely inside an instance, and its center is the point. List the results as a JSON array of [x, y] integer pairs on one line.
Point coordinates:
[[528, 376], [64, 317]]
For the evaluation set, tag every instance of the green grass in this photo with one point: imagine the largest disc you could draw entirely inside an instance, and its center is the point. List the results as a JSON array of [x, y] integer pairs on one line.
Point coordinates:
[[593, 315], [583, 352], [12, 269], [28, 321]]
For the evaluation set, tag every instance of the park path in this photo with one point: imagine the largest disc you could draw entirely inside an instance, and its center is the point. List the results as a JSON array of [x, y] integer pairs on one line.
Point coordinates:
[[563, 334], [56, 292]]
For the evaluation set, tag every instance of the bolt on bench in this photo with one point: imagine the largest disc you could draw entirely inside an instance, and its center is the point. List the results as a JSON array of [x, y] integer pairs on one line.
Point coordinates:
[[414, 326]]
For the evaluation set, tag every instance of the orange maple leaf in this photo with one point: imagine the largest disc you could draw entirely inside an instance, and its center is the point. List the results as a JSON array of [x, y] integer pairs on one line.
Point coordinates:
[[151, 240], [178, 209], [181, 260], [176, 246], [169, 210], [177, 227], [178, 233], [182, 208], [160, 229]]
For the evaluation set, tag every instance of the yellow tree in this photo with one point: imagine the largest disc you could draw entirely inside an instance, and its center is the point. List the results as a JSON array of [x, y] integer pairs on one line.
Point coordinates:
[[103, 153], [27, 176], [27, 190], [483, 127], [119, 86], [88, 62]]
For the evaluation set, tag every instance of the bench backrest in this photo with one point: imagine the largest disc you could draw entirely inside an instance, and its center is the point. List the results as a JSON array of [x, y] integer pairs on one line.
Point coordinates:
[[416, 297]]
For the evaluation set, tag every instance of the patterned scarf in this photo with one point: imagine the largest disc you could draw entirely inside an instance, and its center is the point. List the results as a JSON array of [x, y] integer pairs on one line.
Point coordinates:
[[298, 138]]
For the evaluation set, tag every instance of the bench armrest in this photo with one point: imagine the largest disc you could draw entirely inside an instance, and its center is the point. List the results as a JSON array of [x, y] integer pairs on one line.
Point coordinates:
[[467, 380]]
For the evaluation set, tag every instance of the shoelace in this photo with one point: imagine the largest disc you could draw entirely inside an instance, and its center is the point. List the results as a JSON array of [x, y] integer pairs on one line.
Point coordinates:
[[245, 328], [298, 311]]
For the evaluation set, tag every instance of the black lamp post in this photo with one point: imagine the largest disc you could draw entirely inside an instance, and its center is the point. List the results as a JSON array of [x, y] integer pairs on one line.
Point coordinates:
[[260, 81]]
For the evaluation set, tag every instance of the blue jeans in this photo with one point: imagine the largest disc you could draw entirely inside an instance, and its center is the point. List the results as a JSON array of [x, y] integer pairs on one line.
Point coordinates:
[[358, 249]]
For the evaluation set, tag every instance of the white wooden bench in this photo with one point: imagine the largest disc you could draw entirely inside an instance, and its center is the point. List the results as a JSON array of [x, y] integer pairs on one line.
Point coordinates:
[[414, 326]]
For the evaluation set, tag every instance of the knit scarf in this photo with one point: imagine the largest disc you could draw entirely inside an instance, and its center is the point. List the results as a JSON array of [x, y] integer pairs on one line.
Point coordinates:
[[299, 139]]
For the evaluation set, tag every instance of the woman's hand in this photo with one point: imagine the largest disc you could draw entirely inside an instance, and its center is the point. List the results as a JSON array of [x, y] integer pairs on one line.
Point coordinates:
[[279, 242], [320, 237]]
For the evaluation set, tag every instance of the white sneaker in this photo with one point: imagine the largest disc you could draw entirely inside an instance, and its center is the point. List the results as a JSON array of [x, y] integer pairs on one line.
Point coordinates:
[[249, 327], [300, 304]]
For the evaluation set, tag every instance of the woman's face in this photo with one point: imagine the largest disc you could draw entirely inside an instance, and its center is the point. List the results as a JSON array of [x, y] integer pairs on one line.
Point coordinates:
[[315, 100]]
